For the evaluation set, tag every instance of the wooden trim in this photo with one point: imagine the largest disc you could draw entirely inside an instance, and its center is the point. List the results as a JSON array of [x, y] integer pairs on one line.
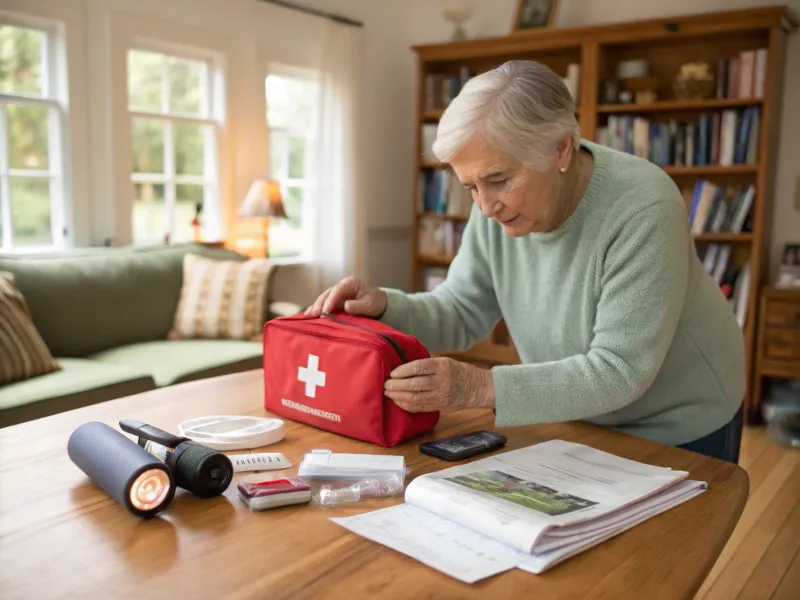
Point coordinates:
[[417, 172], [763, 208], [676, 105], [750, 19], [587, 95]]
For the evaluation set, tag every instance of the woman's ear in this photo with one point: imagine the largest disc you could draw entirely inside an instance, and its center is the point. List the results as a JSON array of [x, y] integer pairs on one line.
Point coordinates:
[[564, 150]]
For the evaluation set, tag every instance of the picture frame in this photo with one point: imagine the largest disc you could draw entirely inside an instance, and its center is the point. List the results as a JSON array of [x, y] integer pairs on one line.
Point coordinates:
[[531, 15]]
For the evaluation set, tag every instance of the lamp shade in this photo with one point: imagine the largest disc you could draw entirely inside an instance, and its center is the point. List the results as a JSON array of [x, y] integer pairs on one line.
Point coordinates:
[[263, 200]]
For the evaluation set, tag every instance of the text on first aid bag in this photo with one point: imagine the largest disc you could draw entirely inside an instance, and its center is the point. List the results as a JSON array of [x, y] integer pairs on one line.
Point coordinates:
[[329, 372]]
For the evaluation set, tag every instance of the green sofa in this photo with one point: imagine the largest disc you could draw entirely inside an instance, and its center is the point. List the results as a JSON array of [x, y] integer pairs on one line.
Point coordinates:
[[105, 313]]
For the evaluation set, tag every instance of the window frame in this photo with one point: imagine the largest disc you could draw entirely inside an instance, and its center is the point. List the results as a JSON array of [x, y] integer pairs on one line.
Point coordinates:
[[311, 137], [214, 100], [53, 99]]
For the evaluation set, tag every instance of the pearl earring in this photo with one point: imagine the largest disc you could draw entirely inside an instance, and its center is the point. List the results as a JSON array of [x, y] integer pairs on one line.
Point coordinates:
[[563, 169]]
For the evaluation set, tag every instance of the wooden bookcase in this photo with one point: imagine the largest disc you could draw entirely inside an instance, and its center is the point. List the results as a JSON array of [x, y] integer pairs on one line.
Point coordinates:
[[665, 44]]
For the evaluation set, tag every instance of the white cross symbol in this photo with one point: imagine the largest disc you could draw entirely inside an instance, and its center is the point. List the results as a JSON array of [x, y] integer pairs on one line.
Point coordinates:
[[311, 376]]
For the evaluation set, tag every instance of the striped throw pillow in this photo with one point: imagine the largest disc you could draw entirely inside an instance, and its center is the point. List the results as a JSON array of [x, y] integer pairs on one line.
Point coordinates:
[[222, 299], [23, 353]]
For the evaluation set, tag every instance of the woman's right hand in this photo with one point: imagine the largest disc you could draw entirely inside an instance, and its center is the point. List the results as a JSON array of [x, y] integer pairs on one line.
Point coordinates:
[[352, 294]]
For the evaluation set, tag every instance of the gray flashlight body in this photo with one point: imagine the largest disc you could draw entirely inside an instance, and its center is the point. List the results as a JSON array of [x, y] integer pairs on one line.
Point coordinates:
[[114, 463]]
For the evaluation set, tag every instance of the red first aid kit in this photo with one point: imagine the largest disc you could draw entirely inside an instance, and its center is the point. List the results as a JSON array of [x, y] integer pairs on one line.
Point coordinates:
[[329, 372]]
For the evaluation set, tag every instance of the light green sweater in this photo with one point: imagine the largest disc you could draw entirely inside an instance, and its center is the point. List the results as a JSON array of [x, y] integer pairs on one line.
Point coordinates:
[[613, 316]]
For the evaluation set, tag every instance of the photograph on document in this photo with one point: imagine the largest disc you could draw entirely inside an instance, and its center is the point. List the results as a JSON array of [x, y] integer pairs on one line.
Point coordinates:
[[525, 493]]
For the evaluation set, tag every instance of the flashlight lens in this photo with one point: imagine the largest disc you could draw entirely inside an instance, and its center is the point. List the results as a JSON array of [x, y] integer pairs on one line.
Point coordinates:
[[150, 489]]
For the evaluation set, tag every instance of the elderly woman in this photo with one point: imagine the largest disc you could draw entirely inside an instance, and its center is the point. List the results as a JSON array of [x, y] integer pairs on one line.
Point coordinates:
[[586, 254]]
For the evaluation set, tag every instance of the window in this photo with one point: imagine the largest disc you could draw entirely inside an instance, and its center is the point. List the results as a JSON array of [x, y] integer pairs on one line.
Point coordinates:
[[292, 118], [171, 102], [32, 191]]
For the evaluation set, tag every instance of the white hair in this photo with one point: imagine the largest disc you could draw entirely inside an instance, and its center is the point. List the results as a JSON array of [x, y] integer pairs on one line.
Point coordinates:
[[521, 108]]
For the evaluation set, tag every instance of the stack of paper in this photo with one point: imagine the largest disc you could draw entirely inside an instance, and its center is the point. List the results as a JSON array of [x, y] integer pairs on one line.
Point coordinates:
[[530, 508]]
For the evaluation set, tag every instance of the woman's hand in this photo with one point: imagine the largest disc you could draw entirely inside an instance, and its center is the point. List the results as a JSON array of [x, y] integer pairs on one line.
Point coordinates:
[[441, 384], [352, 294]]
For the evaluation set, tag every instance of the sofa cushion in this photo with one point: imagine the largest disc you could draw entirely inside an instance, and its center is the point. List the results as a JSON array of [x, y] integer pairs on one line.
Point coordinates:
[[89, 300], [177, 361], [79, 382], [222, 299], [23, 354]]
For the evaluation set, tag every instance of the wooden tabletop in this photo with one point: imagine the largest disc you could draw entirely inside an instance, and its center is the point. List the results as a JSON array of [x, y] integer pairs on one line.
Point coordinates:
[[62, 537]]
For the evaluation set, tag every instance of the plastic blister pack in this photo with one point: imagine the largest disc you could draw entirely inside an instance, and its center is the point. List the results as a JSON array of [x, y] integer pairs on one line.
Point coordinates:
[[368, 487]]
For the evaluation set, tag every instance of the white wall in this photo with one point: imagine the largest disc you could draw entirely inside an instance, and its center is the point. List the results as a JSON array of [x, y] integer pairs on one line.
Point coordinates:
[[393, 26]]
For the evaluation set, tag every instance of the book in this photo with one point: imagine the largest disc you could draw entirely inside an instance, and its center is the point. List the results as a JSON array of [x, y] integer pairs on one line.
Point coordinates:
[[530, 509]]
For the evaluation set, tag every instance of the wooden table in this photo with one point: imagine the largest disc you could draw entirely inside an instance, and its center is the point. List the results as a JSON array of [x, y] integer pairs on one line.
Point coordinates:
[[62, 537]]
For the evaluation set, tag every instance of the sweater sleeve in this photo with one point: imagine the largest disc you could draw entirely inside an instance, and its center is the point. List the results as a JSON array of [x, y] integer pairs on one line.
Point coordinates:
[[461, 310], [643, 284]]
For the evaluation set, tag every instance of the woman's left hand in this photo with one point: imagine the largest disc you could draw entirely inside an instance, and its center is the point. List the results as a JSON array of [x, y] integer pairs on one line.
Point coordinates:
[[441, 384]]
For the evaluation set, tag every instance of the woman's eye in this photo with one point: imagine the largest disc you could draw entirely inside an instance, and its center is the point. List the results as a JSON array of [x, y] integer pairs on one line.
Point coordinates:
[[499, 183]]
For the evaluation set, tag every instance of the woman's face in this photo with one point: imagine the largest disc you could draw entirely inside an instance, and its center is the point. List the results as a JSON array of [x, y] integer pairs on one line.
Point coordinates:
[[520, 199]]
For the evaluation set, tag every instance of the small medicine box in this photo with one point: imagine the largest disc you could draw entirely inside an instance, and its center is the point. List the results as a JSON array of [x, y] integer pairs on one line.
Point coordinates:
[[274, 493]]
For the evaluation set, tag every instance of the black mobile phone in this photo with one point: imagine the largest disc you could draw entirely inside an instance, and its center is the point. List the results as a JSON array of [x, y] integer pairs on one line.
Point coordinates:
[[459, 447]]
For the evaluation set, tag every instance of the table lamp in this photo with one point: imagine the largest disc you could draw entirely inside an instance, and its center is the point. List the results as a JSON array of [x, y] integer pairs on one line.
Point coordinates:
[[264, 201]]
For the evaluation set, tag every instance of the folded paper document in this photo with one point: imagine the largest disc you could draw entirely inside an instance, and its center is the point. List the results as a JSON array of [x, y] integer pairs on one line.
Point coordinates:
[[530, 508]]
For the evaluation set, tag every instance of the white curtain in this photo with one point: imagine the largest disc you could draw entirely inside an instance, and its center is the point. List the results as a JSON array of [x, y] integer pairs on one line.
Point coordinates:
[[339, 213]]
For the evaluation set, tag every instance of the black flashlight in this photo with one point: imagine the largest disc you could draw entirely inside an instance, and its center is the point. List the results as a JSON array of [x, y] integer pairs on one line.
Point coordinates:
[[199, 469], [126, 472]]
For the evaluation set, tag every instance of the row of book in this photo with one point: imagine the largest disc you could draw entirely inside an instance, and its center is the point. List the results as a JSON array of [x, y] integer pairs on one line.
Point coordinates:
[[441, 192], [717, 208], [734, 282], [725, 139], [439, 237], [440, 89], [743, 75]]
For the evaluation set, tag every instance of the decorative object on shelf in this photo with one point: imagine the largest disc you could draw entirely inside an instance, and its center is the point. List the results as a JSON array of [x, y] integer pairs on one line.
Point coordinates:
[[643, 89], [573, 80], [534, 14], [634, 82], [694, 82], [458, 14], [789, 270], [610, 90], [632, 69], [263, 201]]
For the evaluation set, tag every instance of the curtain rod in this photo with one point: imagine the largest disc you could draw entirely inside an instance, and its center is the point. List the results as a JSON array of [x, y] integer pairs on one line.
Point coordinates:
[[314, 11]]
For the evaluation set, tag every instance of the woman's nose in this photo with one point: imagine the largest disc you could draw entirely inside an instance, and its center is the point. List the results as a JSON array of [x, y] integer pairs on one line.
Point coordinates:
[[489, 207]]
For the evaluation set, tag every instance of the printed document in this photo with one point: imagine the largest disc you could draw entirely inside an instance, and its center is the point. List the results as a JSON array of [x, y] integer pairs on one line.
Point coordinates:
[[539, 505]]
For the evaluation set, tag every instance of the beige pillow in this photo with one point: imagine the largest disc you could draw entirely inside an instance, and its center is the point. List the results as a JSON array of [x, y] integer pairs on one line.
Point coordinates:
[[222, 299], [23, 353]]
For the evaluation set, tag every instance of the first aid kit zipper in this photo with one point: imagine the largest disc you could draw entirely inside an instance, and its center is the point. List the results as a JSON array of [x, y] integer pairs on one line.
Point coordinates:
[[362, 342], [400, 352]]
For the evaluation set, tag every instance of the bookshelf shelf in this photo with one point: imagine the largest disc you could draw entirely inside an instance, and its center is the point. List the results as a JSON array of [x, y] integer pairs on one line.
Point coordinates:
[[725, 237], [711, 170], [678, 105], [733, 134]]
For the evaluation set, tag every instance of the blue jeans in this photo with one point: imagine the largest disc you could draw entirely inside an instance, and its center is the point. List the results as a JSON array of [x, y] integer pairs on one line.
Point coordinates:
[[723, 443]]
